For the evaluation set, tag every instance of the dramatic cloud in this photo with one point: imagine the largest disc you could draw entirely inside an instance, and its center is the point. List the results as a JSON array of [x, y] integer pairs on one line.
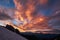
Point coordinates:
[[30, 13]]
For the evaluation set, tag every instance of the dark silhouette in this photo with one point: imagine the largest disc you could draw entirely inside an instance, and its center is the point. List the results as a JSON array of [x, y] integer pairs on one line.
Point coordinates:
[[9, 27], [34, 36]]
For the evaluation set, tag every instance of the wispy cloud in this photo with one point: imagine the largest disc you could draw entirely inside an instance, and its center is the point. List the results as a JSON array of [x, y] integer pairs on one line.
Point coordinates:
[[6, 13]]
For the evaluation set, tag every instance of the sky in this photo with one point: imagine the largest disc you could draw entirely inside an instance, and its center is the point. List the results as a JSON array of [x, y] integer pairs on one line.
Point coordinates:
[[7, 3], [52, 5], [46, 8]]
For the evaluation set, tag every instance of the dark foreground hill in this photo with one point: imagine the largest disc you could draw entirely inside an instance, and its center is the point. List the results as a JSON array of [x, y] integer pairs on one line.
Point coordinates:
[[31, 36]]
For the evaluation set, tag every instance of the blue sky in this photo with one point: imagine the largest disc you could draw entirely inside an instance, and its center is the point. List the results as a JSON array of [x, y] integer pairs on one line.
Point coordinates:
[[7, 3]]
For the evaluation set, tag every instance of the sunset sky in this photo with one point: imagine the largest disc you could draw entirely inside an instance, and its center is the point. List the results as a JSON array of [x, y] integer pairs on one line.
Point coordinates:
[[53, 5], [45, 7]]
